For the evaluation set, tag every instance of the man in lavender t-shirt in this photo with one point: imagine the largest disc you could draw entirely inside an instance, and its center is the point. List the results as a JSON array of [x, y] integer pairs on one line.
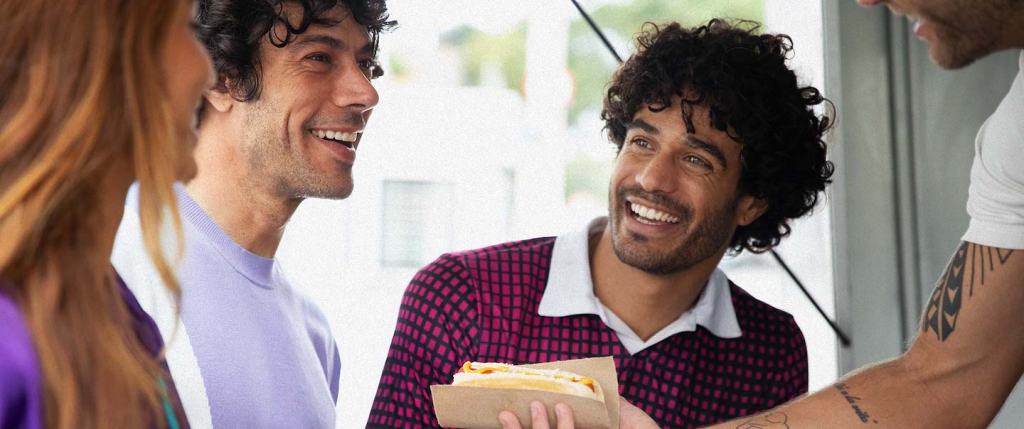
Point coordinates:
[[282, 124], [248, 350]]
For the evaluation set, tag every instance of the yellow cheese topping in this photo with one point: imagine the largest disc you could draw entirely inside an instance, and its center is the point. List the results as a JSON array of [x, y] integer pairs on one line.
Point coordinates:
[[469, 368]]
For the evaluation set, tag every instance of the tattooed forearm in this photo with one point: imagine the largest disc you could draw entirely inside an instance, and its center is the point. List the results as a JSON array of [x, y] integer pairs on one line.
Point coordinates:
[[773, 420], [966, 269], [852, 400]]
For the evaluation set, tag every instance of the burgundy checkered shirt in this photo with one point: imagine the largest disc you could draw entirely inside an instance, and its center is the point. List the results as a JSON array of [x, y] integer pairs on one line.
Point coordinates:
[[481, 305]]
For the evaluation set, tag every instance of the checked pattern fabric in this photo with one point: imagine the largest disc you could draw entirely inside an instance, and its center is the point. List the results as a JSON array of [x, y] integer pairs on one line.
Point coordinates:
[[481, 305]]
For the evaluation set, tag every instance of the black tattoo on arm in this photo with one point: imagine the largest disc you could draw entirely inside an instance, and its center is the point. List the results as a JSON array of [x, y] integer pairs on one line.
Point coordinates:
[[852, 400], [947, 299], [772, 420]]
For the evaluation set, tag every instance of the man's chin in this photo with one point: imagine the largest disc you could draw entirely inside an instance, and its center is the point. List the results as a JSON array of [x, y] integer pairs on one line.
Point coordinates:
[[654, 267], [339, 192], [340, 195], [945, 58], [644, 257], [953, 52]]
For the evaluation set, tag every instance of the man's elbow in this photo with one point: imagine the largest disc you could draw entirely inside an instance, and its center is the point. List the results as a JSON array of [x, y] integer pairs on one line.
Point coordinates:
[[948, 388]]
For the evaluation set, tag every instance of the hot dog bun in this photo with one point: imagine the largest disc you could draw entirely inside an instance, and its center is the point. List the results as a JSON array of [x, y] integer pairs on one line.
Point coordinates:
[[504, 376]]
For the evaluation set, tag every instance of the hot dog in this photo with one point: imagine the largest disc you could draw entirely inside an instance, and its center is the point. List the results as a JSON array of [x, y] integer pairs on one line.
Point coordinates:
[[504, 376]]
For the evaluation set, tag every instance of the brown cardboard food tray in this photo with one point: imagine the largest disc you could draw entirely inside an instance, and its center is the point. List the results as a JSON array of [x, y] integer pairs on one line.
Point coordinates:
[[478, 407]]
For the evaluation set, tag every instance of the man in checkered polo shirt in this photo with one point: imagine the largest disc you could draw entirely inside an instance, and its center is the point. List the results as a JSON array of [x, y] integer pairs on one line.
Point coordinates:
[[718, 149]]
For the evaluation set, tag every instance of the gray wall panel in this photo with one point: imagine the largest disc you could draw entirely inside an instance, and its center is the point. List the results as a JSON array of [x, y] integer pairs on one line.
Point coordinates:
[[868, 262]]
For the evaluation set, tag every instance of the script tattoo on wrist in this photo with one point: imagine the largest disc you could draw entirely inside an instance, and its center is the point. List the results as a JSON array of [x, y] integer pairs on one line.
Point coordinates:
[[944, 306], [852, 400]]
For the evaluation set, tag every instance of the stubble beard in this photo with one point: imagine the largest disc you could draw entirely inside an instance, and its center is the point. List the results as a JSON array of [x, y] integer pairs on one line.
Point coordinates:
[[274, 162], [970, 34], [705, 240]]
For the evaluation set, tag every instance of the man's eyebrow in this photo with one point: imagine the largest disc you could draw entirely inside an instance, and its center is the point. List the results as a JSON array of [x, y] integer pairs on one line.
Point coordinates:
[[321, 39], [691, 141], [643, 125], [697, 143], [333, 43]]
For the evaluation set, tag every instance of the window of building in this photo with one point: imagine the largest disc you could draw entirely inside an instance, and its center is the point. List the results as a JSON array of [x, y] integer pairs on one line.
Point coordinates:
[[415, 228]]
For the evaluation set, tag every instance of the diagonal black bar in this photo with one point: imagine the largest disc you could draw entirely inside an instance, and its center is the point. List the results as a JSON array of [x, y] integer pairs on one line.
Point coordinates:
[[597, 30], [845, 340], [839, 332]]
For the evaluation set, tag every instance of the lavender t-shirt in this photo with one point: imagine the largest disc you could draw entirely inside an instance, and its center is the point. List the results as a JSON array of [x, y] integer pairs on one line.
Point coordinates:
[[248, 350]]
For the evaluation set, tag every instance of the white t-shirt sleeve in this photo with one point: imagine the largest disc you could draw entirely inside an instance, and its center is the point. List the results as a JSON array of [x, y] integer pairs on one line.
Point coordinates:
[[995, 201]]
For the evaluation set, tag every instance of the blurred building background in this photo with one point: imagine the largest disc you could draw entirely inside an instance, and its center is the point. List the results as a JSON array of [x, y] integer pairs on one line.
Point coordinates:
[[488, 130]]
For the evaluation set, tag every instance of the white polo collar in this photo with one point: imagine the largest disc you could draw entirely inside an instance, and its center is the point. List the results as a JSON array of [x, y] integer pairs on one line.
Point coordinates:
[[570, 291]]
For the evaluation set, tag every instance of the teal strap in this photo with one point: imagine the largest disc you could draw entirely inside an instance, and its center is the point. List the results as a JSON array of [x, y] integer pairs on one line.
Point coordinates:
[[172, 418]]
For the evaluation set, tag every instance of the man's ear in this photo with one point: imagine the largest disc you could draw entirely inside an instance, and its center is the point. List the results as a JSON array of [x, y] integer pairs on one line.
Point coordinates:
[[220, 98], [749, 209]]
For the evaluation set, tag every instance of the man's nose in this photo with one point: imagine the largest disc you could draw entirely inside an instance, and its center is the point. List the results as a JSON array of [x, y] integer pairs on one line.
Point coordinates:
[[658, 175], [354, 90]]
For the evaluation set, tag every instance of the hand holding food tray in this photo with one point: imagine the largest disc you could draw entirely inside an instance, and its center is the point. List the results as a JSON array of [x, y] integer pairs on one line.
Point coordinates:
[[589, 386]]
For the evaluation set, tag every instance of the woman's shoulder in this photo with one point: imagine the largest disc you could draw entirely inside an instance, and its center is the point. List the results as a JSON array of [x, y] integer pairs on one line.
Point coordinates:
[[20, 390], [16, 348]]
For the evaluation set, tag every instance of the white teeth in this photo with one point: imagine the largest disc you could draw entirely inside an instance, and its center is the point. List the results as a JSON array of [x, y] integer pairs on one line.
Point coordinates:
[[652, 214], [336, 135]]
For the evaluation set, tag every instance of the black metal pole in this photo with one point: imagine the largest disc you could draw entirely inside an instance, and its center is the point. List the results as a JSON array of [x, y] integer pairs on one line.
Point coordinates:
[[839, 332], [597, 30]]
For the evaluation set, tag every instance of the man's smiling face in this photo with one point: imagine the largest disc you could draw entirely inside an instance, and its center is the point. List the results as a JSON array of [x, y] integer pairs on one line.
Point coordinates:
[[674, 197], [302, 131]]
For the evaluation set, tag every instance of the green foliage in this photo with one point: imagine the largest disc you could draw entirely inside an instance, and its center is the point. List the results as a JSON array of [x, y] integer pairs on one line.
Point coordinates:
[[397, 68], [587, 175], [480, 50]]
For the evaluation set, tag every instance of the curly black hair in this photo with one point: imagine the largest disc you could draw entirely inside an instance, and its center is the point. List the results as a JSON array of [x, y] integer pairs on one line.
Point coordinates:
[[232, 29], [742, 78]]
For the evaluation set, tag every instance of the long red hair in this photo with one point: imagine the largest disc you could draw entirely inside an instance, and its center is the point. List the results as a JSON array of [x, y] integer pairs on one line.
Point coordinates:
[[82, 95]]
